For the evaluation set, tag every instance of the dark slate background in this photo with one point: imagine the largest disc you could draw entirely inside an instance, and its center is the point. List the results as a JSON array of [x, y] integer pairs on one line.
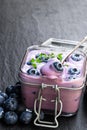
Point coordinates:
[[28, 22]]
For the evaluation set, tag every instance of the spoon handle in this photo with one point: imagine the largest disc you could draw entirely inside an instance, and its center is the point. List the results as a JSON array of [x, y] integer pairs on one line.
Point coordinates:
[[78, 44]]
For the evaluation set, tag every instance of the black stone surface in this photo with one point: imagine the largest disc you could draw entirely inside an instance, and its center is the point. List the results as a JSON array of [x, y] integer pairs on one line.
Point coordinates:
[[28, 22]]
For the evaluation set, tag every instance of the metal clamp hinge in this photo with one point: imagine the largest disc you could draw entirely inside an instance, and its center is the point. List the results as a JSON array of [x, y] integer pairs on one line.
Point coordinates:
[[57, 101]]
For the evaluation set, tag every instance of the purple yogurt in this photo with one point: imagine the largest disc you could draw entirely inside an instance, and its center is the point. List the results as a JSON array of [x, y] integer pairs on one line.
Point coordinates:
[[42, 65]]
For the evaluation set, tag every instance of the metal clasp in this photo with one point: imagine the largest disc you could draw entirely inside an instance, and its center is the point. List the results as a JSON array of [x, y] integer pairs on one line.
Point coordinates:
[[57, 112]]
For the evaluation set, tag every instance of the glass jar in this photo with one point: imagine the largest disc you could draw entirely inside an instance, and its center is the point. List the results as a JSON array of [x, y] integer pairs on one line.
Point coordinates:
[[49, 85]]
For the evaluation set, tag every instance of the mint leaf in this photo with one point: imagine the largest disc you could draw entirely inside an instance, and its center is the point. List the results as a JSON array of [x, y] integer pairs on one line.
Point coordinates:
[[60, 56], [32, 60], [51, 55], [34, 65], [42, 57], [38, 60]]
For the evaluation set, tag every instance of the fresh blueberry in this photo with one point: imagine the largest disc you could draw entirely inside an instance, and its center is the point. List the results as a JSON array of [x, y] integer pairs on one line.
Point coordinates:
[[4, 95], [10, 118], [13, 89], [13, 95], [1, 112], [17, 89], [2, 99], [18, 83], [26, 117], [29, 63], [37, 55], [76, 57], [73, 71], [33, 71], [9, 89], [42, 57], [10, 104], [58, 66]]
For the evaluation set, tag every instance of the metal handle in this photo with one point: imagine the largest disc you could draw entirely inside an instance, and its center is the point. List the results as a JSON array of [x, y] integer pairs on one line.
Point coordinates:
[[57, 101]]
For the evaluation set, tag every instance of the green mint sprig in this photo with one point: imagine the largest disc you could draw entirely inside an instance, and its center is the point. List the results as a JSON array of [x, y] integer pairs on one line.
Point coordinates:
[[52, 55], [60, 56], [33, 62], [44, 56]]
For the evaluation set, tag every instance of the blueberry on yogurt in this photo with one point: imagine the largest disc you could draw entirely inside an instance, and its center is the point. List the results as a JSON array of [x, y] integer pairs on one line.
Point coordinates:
[[76, 57], [37, 55], [42, 57], [58, 66], [33, 71], [73, 71], [29, 63]]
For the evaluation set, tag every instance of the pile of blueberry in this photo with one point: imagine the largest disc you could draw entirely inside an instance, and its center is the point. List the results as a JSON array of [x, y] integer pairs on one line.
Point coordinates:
[[11, 108]]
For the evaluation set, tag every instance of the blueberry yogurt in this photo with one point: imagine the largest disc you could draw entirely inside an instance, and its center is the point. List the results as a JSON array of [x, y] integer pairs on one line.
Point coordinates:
[[45, 66]]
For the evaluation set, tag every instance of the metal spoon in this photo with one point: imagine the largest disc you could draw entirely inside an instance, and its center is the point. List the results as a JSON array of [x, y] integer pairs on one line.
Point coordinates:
[[78, 44]]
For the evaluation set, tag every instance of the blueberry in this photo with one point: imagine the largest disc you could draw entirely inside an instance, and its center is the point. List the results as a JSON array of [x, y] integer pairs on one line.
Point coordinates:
[[1, 112], [13, 95], [73, 71], [10, 104], [4, 95], [2, 99], [29, 63], [37, 55], [33, 71], [17, 89], [58, 66], [13, 89], [10, 118], [10, 89], [26, 117], [76, 57], [18, 83], [42, 57]]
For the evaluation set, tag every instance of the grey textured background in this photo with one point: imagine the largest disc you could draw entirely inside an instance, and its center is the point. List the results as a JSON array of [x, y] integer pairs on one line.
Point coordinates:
[[28, 22]]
